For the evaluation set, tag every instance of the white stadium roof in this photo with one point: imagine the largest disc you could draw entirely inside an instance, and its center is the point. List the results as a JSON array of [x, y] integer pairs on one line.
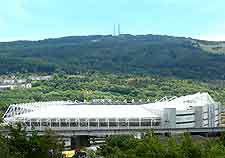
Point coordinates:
[[90, 111], [65, 109]]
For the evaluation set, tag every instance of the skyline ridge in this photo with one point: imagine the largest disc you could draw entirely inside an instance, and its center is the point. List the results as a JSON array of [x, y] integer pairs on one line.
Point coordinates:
[[115, 33]]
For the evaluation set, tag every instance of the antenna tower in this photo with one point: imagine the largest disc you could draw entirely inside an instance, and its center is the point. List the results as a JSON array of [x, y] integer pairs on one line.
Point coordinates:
[[114, 30], [118, 29]]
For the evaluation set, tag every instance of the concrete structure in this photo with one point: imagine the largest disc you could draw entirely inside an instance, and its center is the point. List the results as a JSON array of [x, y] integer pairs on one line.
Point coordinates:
[[77, 122], [86, 137], [191, 111], [94, 132]]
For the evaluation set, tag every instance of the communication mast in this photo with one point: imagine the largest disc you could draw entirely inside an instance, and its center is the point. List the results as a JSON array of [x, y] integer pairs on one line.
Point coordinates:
[[114, 30], [118, 29]]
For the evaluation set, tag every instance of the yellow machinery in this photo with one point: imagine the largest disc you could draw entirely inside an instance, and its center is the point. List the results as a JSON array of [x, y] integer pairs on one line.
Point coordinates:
[[74, 154], [68, 154]]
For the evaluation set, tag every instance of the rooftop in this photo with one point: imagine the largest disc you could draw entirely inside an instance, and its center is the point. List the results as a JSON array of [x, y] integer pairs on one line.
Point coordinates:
[[68, 109]]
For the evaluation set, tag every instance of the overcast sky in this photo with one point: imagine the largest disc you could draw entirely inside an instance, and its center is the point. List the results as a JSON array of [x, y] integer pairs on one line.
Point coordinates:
[[40, 19]]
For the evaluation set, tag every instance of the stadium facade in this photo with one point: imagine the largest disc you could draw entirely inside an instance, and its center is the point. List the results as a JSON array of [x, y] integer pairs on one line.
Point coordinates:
[[197, 110]]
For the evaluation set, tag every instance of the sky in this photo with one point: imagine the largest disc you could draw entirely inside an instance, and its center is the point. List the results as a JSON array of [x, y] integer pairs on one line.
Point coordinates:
[[41, 19]]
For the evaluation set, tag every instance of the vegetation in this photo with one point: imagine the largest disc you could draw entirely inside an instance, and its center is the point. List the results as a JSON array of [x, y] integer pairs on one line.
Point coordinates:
[[116, 87], [18, 145], [143, 54], [152, 146]]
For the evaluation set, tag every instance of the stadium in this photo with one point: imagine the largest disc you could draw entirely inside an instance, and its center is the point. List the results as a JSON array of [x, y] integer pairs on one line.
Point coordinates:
[[191, 111]]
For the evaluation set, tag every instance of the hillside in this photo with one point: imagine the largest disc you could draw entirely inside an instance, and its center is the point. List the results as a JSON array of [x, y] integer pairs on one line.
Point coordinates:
[[142, 54], [110, 86]]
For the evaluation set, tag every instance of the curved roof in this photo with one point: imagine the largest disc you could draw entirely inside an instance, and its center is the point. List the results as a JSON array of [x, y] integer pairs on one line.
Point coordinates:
[[65, 109], [90, 111]]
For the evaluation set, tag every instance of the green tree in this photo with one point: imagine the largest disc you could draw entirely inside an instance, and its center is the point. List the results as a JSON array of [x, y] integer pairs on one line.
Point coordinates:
[[189, 148], [214, 149], [173, 149], [34, 146]]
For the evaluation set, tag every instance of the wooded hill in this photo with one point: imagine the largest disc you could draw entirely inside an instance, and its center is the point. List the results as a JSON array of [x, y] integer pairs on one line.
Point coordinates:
[[141, 54]]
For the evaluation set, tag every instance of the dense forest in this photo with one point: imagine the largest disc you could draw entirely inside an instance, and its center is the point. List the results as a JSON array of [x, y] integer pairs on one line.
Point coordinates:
[[127, 54]]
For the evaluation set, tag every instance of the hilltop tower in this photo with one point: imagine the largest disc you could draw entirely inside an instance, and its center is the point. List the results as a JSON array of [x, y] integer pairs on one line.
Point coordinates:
[[114, 30], [118, 29]]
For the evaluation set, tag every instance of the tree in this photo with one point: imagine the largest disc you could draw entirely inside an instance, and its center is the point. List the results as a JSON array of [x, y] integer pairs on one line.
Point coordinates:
[[18, 143], [173, 149], [189, 148]]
